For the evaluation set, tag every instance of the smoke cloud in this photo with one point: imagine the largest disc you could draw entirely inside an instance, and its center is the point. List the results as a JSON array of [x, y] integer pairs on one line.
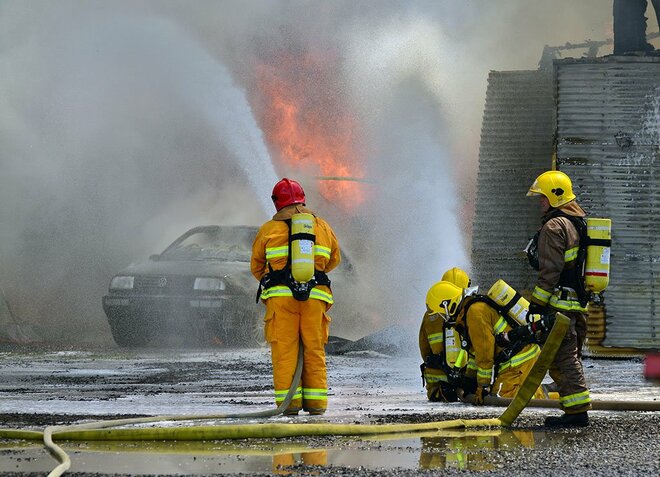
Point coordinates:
[[125, 123]]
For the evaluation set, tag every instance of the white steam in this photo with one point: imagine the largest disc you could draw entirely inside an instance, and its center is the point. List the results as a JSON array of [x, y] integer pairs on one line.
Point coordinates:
[[120, 132], [124, 123], [397, 81]]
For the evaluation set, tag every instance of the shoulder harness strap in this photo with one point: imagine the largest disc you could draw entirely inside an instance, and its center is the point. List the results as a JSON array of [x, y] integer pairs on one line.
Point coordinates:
[[300, 291], [502, 310], [581, 227]]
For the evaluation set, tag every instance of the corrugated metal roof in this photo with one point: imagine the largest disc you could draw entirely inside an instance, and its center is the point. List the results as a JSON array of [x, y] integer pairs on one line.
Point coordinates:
[[516, 146], [608, 142]]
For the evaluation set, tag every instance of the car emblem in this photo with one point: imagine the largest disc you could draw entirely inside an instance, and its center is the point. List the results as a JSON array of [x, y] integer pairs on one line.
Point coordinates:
[[162, 281]]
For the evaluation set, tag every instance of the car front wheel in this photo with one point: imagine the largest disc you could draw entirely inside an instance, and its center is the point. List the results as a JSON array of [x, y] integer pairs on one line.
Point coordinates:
[[251, 330], [244, 328]]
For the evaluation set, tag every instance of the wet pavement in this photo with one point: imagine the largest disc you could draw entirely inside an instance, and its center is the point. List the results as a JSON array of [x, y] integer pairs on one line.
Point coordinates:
[[65, 386]]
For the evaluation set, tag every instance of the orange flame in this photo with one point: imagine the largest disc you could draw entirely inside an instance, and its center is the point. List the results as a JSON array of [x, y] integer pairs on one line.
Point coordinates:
[[305, 122]]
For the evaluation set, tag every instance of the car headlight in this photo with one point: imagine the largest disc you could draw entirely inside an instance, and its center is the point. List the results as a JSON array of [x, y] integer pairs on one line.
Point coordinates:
[[122, 283], [209, 284]]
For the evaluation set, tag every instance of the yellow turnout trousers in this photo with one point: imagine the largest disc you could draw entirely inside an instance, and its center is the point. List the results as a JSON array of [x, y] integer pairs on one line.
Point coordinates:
[[510, 379], [287, 321]]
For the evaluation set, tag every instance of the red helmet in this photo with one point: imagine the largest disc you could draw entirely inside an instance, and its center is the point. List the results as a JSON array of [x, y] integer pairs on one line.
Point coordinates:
[[287, 192]]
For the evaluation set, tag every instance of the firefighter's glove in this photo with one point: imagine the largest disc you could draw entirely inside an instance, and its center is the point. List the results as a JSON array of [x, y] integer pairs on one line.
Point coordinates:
[[468, 385], [480, 394], [502, 340], [536, 309]]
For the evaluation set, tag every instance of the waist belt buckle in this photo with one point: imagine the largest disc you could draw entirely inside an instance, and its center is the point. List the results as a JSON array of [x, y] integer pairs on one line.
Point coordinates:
[[567, 293], [301, 290]]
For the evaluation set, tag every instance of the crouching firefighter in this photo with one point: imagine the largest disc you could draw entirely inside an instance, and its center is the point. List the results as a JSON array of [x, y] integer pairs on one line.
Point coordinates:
[[291, 255], [440, 347], [498, 370]]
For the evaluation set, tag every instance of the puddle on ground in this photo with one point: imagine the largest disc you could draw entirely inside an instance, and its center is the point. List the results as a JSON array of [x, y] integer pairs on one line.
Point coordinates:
[[478, 450]]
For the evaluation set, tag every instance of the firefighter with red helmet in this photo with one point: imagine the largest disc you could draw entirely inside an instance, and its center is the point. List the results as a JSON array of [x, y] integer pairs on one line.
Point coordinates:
[[295, 311], [555, 252]]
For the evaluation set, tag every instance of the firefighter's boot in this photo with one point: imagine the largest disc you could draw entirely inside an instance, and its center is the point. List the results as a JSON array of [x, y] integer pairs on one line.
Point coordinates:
[[580, 419]]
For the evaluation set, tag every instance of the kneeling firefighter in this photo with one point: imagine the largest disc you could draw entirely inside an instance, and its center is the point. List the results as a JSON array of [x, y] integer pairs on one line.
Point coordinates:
[[440, 345], [291, 255], [500, 366]]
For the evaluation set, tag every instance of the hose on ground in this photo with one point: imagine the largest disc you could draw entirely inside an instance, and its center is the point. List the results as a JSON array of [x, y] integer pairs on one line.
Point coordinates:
[[523, 398], [264, 430], [103, 430], [537, 373], [596, 405], [65, 462]]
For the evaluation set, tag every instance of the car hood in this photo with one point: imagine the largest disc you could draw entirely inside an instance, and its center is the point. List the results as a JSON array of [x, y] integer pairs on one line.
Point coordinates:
[[197, 268]]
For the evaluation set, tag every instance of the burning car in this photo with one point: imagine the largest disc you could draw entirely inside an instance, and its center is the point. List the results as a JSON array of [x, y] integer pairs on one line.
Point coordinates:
[[199, 290]]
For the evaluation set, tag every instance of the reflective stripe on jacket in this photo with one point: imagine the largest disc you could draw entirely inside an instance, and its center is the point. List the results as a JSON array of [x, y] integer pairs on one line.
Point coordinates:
[[283, 290], [432, 341]]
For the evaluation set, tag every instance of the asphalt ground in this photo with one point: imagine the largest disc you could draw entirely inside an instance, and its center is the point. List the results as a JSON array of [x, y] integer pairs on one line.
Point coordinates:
[[61, 386]]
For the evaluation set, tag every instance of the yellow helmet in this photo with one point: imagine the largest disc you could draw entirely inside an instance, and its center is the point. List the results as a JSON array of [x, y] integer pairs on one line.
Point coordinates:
[[443, 298], [458, 277], [555, 185]]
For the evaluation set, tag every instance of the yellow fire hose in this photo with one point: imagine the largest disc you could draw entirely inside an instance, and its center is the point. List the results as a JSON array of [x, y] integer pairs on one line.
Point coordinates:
[[268, 447], [524, 397], [100, 430], [537, 373], [65, 462], [266, 430], [599, 405]]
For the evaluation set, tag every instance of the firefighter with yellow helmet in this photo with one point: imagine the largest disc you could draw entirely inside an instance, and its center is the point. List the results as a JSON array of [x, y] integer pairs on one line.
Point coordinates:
[[494, 368], [458, 277], [295, 244], [440, 345], [554, 252]]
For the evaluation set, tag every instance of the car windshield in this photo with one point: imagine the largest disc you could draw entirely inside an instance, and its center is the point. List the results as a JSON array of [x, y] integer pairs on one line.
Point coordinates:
[[213, 243]]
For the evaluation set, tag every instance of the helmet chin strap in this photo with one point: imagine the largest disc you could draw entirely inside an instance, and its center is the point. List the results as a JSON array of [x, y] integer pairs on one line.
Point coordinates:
[[446, 316], [469, 291]]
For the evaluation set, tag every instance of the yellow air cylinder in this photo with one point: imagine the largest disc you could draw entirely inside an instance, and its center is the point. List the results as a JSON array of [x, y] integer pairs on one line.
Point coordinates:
[[302, 247], [452, 346], [510, 301], [597, 266]]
